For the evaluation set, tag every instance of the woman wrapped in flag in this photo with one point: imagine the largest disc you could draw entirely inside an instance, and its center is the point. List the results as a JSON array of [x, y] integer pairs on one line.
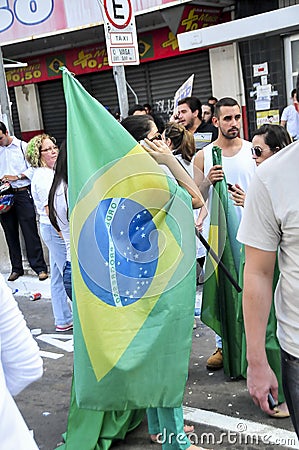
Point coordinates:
[[165, 425]]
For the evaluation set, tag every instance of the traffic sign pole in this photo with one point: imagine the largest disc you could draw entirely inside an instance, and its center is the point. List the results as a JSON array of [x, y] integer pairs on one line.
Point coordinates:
[[121, 86]]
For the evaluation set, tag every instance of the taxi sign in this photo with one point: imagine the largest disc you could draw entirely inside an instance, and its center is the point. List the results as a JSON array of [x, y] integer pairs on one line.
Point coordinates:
[[120, 32]]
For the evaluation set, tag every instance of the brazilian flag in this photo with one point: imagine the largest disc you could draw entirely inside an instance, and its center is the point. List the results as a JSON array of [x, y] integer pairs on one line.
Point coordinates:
[[133, 265], [220, 298]]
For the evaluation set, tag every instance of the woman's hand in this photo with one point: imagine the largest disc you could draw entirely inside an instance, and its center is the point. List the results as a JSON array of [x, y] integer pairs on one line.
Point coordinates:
[[237, 195], [163, 155], [158, 150]]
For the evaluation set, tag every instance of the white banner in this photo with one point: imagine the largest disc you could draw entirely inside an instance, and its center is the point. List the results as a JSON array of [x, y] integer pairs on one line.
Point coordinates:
[[184, 91]]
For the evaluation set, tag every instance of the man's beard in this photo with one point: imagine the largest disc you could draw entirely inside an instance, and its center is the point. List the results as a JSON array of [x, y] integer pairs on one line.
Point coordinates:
[[230, 136], [190, 124]]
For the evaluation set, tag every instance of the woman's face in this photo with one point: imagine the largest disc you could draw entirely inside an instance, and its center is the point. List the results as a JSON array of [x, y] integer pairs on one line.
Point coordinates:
[[49, 153], [258, 145]]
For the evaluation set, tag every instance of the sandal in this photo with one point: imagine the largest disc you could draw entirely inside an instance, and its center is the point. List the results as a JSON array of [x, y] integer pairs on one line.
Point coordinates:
[[154, 438]]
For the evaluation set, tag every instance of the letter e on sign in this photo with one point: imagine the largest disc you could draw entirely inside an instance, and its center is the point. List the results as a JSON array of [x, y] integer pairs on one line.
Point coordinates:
[[118, 12]]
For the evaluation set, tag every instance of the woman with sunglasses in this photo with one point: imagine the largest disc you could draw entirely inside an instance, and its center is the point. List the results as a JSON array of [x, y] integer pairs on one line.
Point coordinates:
[[266, 141], [42, 153], [145, 131]]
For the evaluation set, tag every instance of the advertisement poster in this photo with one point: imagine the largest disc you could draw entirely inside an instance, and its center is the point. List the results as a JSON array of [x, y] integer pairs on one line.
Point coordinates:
[[270, 116]]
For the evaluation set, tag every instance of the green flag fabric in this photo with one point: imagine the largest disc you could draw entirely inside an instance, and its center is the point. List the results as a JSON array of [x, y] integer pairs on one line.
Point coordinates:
[[220, 298], [272, 344], [133, 265]]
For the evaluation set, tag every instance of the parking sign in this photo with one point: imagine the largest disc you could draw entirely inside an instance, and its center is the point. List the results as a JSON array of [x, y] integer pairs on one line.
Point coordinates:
[[120, 32]]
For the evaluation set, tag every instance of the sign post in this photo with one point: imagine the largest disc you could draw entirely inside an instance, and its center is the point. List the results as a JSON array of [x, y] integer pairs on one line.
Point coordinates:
[[122, 93], [122, 45]]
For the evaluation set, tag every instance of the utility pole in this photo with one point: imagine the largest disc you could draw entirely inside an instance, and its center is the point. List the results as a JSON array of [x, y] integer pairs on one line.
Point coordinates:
[[121, 86], [4, 97]]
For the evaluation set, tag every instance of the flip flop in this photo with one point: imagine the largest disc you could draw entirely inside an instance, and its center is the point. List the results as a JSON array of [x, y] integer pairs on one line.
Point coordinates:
[[279, 414]]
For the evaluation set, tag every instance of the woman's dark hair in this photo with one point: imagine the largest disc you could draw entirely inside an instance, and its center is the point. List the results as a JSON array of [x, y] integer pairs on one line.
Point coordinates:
[[275, 136], [135, 108], [59, 176], [182, 140], [138, 126]]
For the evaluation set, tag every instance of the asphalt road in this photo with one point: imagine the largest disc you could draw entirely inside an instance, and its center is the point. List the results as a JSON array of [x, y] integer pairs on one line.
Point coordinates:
[[218, 407]]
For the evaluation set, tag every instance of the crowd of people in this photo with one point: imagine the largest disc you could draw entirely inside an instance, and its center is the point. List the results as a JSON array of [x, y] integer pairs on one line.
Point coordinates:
[[263, 201]]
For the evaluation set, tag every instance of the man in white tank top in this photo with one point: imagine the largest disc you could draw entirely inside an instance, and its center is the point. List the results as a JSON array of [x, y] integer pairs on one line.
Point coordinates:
[[237, 165]]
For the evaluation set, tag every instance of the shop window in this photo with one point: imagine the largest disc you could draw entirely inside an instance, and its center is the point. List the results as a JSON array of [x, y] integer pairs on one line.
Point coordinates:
[[291, 45]]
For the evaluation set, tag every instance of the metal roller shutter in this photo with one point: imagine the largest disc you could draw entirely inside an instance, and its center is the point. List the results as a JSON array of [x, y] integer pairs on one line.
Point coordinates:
[[100, 85], [166, 76], [53, 109], [137, 77], [154, 83]]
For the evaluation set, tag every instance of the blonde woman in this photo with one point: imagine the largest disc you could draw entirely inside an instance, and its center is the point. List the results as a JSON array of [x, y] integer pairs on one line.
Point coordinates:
[[42, 153]]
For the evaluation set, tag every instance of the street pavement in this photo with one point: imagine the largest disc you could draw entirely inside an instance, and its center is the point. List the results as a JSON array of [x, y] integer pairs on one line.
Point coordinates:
[[220, 409]]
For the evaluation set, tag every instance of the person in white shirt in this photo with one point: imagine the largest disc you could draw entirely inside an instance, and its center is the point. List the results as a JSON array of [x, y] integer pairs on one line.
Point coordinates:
[[15, 169], [238, 167], [290, 117], [20, 365], [271, 222], [42, 154]]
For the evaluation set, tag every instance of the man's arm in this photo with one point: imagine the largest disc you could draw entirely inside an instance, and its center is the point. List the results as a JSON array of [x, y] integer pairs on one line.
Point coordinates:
[[283, 123], [284, 117], [257, 300]]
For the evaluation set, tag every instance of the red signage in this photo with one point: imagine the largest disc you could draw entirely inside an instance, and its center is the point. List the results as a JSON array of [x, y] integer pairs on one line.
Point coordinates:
[[23, 19], [93, 58]]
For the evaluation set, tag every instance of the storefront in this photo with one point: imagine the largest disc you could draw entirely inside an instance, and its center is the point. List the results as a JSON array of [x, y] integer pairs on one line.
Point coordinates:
[[265, 36], [162, 70]]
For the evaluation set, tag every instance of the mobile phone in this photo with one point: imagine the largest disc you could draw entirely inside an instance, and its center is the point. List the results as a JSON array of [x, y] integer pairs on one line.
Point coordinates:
[[271, 401], [144, 144], [230, 187]]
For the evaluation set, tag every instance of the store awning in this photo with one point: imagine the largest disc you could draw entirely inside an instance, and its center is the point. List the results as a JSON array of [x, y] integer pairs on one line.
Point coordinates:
[[282, 20]]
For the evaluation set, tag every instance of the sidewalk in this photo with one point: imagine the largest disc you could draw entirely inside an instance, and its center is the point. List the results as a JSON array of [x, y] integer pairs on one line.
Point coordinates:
[[29, 284]]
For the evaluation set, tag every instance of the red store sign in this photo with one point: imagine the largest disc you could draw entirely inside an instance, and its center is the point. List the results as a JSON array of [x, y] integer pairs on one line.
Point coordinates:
[[93, 58]]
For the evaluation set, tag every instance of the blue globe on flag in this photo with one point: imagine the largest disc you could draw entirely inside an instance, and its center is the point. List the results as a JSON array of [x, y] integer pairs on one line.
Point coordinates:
[[118, 251]]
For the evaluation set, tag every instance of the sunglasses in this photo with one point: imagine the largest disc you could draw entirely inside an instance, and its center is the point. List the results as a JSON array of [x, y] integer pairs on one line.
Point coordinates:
[[256, 151], [157, 137]]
